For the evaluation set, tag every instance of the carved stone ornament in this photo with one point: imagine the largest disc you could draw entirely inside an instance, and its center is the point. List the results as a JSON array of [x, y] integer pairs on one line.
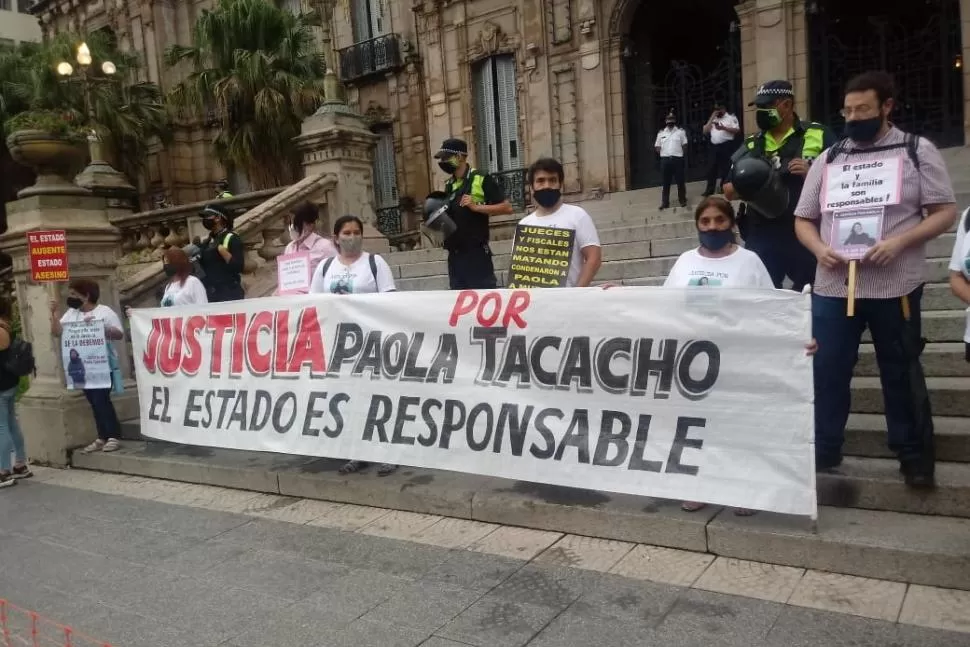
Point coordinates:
[[490, 38], [376, 114]]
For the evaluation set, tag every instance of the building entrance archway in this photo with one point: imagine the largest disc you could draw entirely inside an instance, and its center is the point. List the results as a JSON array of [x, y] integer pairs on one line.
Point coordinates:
[[917, 41], [682, 57]]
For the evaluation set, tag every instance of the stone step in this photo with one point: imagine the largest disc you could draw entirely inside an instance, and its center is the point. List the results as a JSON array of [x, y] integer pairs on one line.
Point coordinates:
[[948, 395], [865, 435], [903, 547], [896, 546], [940, 359], [938, 326], [876, 484]]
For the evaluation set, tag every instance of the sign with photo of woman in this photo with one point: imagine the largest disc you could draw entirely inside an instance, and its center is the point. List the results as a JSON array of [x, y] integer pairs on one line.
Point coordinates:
[[855, 231]]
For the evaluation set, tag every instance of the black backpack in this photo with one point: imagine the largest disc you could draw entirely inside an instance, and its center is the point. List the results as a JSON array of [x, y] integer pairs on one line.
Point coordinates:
[[373, 268], [19, 358], [910, 143]]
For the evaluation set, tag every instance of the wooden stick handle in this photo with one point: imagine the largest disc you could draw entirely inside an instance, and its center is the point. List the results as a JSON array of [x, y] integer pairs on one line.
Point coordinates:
[[906, 310], [850, 301]]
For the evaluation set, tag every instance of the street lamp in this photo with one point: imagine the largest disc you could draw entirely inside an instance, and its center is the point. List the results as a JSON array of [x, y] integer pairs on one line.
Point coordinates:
[[99, 174]]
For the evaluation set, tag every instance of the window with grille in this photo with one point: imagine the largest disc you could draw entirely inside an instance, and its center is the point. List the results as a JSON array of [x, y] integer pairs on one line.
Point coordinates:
[[497, 115], [367, 20], [385, 170], [5, 5]]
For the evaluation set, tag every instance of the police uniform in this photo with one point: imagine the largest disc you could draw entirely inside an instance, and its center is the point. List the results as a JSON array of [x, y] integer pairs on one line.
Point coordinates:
[[773, 239], [470, 264], [223, 280]]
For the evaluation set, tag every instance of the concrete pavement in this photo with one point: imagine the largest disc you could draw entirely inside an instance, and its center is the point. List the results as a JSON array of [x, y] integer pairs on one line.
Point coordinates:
[[141, 562]]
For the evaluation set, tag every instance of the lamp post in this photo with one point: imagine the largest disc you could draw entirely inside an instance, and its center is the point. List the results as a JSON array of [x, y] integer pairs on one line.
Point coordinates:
[[99, 176]]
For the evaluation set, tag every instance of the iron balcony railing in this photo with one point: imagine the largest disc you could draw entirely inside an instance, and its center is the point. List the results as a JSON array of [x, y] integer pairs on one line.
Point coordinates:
[[390, 221], [374, 56], [513, 183]]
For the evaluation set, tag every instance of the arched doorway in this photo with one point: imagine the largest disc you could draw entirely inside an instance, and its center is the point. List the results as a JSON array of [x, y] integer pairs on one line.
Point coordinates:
[[917, 41], [679, 56]]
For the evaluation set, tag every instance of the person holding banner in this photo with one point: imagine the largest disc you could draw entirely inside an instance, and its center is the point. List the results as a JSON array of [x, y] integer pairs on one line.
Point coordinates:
[[546, 177], [877, 174], [353, 271], [82, 305], [11, 437], [304, 239]]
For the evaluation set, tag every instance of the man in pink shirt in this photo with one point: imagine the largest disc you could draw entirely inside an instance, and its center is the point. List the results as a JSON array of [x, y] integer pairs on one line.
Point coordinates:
[[886, 178], [304, 238]]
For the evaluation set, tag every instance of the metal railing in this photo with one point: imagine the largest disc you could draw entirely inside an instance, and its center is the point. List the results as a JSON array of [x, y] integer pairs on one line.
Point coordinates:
[[514, 185], [368, 57]]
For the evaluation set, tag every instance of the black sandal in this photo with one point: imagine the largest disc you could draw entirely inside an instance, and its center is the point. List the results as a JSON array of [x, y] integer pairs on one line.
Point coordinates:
[[352, 467], [386, 469]]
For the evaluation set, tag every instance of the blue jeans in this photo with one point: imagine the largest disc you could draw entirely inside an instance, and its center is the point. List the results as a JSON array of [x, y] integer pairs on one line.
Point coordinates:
[[105, 418], [838, 339], [11, 438]]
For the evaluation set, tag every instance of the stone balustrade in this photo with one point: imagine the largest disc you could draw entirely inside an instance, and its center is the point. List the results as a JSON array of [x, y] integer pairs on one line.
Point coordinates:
[[259, 221]]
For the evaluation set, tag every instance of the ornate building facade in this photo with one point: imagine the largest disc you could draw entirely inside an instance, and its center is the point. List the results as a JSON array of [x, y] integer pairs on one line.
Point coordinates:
[[586, 81]]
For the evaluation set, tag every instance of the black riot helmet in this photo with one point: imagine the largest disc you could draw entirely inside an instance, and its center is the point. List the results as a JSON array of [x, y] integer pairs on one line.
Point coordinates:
[[437, 213], [759, 183]]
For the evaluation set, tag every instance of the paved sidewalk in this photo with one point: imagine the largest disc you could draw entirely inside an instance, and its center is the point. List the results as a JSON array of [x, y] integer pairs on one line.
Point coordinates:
[[240, 569]]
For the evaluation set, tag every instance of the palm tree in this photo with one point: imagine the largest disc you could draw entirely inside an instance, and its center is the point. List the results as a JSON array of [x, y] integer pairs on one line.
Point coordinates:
[[258, 69], [15, 93]]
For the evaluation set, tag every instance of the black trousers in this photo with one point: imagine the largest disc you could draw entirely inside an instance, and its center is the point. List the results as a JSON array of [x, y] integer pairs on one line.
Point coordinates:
[[719, 164], [223, 293], [471, 269], [105, 418], [673, 171]]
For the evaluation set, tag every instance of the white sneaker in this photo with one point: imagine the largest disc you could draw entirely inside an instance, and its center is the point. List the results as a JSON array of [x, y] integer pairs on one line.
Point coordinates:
[[111, 446], [7, 480], [96, 446]]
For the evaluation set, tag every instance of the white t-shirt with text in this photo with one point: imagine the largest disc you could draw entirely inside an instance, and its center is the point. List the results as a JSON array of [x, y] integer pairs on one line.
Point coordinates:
[[100, 311], [741, 269], [569, 216], [189, 294], [355, 278]]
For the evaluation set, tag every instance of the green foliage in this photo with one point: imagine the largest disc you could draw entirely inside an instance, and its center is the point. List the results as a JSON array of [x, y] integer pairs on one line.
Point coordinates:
[[61, 124], [258, 68], [16, 327]]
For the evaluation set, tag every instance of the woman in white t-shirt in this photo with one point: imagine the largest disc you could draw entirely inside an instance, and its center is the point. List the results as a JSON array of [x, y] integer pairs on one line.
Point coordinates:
[[183, 288], [353, 271], [719, 262], [960, 273], [82, 305]]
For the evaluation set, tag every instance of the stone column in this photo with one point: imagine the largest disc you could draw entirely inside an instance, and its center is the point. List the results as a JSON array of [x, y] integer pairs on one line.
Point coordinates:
[[54, 419], [773, 46], [336, 140]]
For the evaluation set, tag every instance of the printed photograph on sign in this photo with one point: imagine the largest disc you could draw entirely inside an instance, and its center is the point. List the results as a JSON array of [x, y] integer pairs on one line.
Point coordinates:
[[862, 184], [541, 257], [84, 351], [855, 232]]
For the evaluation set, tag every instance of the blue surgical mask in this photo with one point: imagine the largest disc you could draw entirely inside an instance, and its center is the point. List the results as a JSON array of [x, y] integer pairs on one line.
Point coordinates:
[[716, 239]]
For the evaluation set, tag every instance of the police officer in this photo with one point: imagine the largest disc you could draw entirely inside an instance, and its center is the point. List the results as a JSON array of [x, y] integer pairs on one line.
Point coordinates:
[[790, 145], [474, 197], [222, 190], [221, 257]]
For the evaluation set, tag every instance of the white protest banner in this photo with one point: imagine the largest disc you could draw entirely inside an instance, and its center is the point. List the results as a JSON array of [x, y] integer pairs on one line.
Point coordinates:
[[849, 185], [84, 351], [293, 273], [648, 391]]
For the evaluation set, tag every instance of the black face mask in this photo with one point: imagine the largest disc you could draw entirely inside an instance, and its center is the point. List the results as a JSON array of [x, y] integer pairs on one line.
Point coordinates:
[[767, 118], [863, 131], [448, 166], [547, 198], [209, 223], [169, 269], [716, 239], [74, 302]]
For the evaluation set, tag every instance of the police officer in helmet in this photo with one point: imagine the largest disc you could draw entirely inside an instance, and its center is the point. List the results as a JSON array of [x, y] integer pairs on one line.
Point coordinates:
[[790, 145], [474, 197], [221, 257]]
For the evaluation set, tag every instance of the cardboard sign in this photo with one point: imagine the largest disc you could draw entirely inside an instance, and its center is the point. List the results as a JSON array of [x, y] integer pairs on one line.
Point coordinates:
[[293, 273], [47, 251], [84, 351], [857, 185], [855, 231], [541, 257]]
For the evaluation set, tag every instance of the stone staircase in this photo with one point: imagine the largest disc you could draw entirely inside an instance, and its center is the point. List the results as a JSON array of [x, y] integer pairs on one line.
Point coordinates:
[[869, 524]]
